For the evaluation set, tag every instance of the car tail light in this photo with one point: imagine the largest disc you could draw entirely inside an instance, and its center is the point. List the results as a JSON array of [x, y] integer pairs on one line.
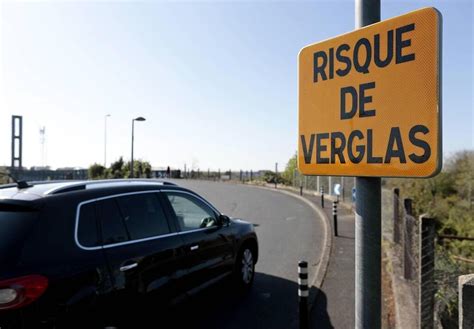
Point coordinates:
[[19, 292]]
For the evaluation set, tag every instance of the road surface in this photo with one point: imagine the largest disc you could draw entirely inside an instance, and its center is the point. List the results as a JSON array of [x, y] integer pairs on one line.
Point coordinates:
[[288, 231]]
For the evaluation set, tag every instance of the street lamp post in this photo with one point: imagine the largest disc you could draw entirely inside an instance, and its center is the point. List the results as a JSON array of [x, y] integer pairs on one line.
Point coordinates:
[[276, 174], [105, 140], [133, 126]]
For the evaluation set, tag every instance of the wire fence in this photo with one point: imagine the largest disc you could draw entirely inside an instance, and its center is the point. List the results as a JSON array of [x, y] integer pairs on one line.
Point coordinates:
[[326, 183], [429, 266], [346, 185], [297, 180]]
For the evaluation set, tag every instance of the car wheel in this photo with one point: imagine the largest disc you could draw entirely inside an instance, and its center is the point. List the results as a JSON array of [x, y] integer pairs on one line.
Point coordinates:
[[245, 268]]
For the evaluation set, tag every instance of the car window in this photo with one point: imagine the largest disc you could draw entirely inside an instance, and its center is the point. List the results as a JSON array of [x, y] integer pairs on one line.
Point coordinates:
[[87, 230], [143, 215], [191, 212], [15, 223], [113, 228]]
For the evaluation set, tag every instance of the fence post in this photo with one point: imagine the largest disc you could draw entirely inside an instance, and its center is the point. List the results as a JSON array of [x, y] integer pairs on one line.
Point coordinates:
[[303, 294], [396, 215], [466, 301], [427, 266], [409, 222], [334, 216]]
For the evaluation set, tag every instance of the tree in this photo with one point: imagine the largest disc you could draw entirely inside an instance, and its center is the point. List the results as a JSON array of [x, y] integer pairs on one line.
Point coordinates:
[[97, 171], [462, 167], [121, 169], [271, 176], [117, 169], [290, 169], [141, 169]]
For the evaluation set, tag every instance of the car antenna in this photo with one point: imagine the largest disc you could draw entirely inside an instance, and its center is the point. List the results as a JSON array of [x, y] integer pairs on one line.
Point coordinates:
[[19, 183]]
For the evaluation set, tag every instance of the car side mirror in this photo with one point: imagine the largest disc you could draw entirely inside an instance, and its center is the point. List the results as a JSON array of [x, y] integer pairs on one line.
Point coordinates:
[[223, 220]]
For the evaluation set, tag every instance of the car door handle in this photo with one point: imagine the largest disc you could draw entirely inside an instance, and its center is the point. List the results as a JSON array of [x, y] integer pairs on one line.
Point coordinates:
[[195, 247], [128, 267]]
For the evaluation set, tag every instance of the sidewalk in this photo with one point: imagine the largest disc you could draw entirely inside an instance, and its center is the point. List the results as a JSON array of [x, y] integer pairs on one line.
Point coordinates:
[[338, 300], [339, 284]]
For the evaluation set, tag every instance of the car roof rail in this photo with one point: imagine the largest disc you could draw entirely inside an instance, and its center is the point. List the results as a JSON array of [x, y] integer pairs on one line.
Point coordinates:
[[83, 185], [8, 185], [33, 183]]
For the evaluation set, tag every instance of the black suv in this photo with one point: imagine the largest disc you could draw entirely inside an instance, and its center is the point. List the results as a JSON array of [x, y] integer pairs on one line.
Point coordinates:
[[68, 248]]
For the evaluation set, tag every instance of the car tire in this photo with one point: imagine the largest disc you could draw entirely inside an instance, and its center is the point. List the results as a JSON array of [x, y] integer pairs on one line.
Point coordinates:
[[244, 272]]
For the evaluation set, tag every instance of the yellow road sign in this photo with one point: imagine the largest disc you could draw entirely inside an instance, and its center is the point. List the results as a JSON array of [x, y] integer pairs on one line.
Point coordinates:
[[369, 100]]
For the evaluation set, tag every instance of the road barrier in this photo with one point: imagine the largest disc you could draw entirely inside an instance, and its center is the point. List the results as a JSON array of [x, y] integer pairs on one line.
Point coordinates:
[[334, 216], [322, 196], [303, 294]]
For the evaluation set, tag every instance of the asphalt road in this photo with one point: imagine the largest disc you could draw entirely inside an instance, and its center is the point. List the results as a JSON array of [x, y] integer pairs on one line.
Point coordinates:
[[288, 231]]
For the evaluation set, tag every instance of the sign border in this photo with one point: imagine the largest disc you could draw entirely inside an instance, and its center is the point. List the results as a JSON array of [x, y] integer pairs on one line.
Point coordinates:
[[439, 35]]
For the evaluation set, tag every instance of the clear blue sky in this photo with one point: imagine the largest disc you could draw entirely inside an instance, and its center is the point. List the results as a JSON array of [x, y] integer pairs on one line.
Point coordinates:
[[216, 81]]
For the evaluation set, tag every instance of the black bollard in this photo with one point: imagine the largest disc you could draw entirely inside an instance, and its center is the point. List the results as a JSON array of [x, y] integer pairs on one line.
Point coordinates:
[[303, 294], [322, 197]]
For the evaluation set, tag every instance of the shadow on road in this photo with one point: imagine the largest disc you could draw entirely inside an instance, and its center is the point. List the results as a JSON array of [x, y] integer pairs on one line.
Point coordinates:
[[320, 317], [271, 303]]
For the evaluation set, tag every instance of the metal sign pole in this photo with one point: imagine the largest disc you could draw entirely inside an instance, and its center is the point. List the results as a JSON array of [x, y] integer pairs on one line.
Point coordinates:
[[368, 220]]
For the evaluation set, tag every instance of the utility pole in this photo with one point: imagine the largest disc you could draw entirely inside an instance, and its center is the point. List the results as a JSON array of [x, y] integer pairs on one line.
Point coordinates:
[[140, 119], [42, 141], [367, 220], [105, 139]]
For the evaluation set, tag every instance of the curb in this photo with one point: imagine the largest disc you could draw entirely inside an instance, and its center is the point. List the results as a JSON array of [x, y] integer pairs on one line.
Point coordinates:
[[323, 265]]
